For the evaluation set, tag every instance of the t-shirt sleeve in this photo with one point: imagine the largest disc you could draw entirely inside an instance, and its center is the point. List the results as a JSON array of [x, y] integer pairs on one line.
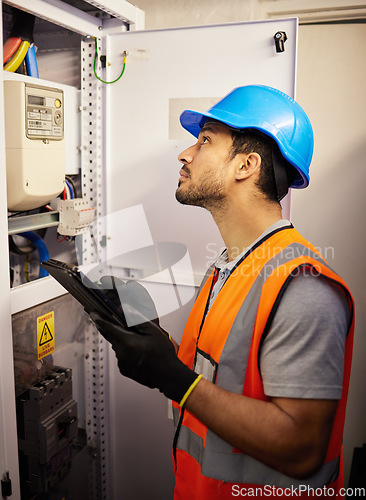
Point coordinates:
[[302, 355]]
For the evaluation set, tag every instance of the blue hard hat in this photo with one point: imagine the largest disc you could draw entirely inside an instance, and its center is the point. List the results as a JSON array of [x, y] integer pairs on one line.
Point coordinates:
[[272, 112]]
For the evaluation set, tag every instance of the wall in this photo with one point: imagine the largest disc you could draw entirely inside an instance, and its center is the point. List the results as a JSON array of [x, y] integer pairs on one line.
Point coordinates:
[[174, 13], [331, 212]]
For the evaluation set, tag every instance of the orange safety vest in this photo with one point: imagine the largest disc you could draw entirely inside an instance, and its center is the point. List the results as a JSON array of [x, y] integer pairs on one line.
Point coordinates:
[[225, 347]]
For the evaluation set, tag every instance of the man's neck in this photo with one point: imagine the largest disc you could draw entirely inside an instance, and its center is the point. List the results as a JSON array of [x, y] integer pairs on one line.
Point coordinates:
[[241, 226]]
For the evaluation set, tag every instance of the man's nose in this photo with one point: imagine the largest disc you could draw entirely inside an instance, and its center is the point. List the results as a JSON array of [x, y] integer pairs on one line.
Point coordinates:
[[186, 156]]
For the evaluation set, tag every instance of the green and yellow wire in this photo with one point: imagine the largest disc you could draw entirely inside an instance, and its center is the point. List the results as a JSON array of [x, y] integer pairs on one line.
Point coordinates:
[[95, 65]]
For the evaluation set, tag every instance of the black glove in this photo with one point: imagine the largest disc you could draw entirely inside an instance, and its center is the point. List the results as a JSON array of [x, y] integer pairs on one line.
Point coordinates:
[[110, 286], [131, 297], [146, 355]]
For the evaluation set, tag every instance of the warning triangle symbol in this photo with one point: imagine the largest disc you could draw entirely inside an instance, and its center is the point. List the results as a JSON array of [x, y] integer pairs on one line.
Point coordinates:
[[46, 335]]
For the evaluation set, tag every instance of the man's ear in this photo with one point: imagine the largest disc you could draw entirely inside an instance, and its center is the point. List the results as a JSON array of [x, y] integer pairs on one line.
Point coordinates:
[[247, 165]]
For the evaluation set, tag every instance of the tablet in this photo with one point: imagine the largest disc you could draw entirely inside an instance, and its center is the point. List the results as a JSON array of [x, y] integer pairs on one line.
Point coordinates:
[[90, 296]]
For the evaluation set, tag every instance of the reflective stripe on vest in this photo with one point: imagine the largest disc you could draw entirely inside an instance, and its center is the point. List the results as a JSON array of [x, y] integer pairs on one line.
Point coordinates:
[[240, 468], [217, 458]]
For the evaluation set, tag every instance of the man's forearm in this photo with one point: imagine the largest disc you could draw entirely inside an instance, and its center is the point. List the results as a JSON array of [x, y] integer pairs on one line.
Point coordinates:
[[279, 433]]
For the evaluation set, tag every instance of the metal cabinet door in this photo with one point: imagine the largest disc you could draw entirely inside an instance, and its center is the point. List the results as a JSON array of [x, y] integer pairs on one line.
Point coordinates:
[[168, 71]]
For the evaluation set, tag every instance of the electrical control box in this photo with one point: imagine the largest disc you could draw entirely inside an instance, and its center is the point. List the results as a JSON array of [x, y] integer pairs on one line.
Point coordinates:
[[49, 347], [35, 147]]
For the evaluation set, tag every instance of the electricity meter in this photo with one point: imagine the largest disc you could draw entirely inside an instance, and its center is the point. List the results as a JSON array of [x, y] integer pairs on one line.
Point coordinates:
[[35, 148]]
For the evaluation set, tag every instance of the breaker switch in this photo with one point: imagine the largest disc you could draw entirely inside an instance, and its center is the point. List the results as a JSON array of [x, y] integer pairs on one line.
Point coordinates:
[[76, 216], [64, 426]]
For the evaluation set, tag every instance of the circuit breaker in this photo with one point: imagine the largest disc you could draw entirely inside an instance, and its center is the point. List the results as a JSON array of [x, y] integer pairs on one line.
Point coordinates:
[[35, 147], [47, 422]]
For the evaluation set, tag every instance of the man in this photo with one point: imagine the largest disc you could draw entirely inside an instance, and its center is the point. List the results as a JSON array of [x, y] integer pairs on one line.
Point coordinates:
[[260, 383]]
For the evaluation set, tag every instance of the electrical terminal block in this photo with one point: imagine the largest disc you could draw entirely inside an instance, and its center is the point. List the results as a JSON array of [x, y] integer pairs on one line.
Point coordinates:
[[76, 215]]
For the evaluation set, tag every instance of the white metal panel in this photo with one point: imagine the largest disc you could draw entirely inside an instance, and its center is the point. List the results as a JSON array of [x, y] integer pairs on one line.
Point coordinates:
[[90, 250], [30, 294], [62, 14], [8, 433], [165, 70], [91, 151], [122, 10], [70, 17], [191, 64]]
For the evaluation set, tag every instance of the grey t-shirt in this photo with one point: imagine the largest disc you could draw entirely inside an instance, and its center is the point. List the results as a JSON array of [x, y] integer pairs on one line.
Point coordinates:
[[302, 355]]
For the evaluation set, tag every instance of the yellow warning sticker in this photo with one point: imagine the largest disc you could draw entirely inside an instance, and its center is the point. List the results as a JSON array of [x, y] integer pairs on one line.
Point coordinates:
[[45, 334]]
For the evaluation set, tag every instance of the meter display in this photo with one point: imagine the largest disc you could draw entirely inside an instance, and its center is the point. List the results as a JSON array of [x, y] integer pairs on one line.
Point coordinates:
[[44, 113]]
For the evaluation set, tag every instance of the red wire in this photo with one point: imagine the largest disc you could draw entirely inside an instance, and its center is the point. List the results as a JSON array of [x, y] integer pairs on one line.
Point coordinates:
[[10, 47], [64, 195]]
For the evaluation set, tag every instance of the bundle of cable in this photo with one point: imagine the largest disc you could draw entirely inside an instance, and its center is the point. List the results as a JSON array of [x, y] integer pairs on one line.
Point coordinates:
[[19, 48]]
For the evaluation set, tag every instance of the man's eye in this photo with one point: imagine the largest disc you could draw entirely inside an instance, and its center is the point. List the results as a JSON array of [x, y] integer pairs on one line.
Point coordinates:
[[205, 140]]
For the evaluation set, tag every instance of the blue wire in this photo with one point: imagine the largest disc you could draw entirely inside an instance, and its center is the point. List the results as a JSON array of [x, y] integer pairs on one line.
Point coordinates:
[[41, 247], [31, 62], [70, 188]]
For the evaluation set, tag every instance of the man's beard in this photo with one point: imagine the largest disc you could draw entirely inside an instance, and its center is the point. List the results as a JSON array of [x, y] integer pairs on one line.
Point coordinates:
[[209, 195]]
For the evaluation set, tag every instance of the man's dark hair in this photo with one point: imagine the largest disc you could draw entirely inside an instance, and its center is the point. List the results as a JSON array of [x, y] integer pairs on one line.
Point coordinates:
[[254, 141]]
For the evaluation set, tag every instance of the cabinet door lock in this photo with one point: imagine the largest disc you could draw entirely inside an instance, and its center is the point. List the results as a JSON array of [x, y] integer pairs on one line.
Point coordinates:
[[280, 38]]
